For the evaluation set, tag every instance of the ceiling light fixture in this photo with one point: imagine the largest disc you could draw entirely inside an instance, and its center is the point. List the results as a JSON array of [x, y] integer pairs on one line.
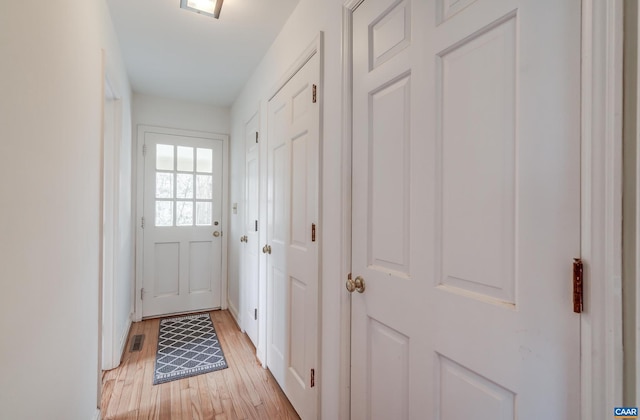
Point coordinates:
[[203, 7]]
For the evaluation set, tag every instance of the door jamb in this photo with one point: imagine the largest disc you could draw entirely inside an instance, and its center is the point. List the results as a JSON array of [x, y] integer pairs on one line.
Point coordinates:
[[142, 131], [348, 7], [110, 181], [601, 161]]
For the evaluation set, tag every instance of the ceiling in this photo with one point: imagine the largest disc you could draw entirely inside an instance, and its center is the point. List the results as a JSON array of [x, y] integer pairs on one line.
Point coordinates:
[[175, 53]]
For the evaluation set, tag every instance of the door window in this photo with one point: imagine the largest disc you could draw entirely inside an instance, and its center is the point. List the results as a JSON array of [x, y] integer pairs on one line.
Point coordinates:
[[184, 186]]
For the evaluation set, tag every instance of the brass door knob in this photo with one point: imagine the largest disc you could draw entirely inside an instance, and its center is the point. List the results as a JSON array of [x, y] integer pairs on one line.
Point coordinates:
[[356, 285], [216, 233]]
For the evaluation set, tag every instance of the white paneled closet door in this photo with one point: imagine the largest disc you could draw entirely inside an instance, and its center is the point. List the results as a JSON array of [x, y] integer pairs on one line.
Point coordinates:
[[293, 256], [466, 209]]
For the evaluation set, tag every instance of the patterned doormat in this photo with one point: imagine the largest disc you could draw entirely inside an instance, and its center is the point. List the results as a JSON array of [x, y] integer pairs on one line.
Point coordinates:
[[187, 346]]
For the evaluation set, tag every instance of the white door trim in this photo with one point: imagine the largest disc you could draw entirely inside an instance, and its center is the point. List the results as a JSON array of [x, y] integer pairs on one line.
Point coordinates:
[[601, 323], [349, 6], [142, 130], [112, 344], [637, 235]]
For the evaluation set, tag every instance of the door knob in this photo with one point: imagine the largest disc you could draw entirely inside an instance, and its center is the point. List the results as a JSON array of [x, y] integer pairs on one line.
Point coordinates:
[[355, 285], [216, 233], [266, 249], [244, 239]]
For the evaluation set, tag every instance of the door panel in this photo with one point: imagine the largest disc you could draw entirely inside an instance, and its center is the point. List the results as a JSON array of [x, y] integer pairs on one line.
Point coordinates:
[[292, 284], [465, 209], [251, 250], [182, 257]]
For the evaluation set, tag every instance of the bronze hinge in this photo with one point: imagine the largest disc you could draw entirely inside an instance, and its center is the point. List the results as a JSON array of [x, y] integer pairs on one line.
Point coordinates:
[[578, 278], [313, 378], [315, 94], [313, 232]]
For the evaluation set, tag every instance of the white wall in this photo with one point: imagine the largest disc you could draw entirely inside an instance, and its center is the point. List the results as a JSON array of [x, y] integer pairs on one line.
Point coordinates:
[[173, 113], [50, 114], [309, 18]]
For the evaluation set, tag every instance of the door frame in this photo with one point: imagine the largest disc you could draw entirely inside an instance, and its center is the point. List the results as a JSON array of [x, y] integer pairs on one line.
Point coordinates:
[[601, 206], [113, 346], [225, 232]]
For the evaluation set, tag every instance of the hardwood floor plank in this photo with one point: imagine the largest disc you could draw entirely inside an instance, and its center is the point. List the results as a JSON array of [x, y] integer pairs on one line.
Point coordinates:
[[242, 391]]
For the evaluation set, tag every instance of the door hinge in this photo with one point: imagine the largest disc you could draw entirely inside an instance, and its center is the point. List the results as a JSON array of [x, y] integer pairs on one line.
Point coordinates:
[[255, 314], [578, 278], [144, 150], [256, 225], [142, 222], [313, 378], [142, 293], [313, 232], [315, 94], [257, 135]]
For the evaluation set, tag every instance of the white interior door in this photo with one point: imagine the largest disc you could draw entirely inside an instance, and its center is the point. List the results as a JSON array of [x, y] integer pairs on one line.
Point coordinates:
[[292, 267], [466, 183], [251, 238], [183, 223]]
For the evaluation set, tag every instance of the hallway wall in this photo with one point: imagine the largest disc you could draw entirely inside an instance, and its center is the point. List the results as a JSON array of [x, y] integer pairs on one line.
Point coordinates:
[[50, 168], [174, 113], [309, 18]]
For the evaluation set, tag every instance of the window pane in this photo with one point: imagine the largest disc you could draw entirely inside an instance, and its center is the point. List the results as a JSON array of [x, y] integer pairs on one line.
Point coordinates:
[[164, 213], [164, 185], [184, 186], [204, 187], [184, 213], [205, 160], [203, 214], [185, 159], [164, 157]]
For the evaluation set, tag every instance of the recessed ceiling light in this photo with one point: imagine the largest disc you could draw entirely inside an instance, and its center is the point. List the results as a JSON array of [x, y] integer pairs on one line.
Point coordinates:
[[203, 7]]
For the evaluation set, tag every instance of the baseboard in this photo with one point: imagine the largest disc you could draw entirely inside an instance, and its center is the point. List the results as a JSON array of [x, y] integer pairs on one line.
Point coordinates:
[[123, 340], [96, 415], [234, 313]]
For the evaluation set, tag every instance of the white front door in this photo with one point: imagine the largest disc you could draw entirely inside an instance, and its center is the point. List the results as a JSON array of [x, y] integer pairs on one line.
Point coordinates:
[[183, 190], [292, 264], [466, 217], [251, 238]]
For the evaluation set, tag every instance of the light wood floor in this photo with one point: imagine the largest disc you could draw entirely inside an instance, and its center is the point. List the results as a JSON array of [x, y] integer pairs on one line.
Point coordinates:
[[242, 391]]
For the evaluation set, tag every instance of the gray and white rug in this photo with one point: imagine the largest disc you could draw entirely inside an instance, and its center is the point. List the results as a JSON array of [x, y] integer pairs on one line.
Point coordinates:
[[187, 346]]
